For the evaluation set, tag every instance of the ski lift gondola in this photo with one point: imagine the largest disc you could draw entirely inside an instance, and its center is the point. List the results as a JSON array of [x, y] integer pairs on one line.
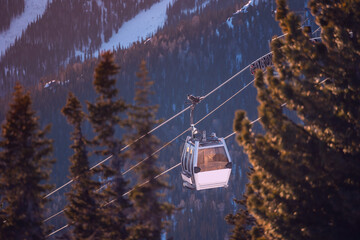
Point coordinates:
[[205, 161]]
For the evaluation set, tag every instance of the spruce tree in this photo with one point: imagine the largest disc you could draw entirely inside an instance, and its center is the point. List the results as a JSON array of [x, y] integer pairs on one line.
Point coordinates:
[[306, 180], [83, 210], [149, 214], [242, 221], [105, 118], [245, 225], [24, 168]]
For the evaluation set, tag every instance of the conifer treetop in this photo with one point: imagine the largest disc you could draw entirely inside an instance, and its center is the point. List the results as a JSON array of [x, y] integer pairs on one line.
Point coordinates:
[[24, 167]]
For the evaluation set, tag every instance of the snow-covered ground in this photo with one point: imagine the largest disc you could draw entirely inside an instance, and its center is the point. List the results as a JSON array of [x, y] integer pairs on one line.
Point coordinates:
[[245, 7], [140, 27], [242, 10], [143, 25], [33, 8]]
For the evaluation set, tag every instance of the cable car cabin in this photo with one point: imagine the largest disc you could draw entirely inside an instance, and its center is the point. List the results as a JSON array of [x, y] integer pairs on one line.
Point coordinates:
[[206, 163]]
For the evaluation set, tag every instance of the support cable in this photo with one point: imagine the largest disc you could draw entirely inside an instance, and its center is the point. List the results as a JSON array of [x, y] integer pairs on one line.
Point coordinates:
[[160, 125], [168, 143], [127, 146], [256, 120], [175, 166], [168, 120]]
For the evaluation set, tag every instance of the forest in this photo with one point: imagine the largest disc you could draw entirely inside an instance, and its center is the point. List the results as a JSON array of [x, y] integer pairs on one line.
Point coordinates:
[[295, 174], [52, 40]]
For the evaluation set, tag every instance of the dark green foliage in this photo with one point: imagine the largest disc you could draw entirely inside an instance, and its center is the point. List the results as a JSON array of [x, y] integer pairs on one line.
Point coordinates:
[[84, 209], [24, 166], [306, 180], [149, 215], [104, 116]]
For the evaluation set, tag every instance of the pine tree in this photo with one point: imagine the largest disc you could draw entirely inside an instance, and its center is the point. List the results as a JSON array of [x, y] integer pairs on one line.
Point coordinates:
[[306, 180], [24, 167], [245, 225], [149, 215], [242, 221], [84, 209], [104, 115]]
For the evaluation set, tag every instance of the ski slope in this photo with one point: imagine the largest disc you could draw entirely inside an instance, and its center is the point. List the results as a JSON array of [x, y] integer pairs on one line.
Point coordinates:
[[33, 8], [142, 26]]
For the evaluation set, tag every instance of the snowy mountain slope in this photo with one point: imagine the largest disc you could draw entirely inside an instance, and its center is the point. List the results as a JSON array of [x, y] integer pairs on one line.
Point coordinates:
[[33, 9], [140, 27], [51, 41]]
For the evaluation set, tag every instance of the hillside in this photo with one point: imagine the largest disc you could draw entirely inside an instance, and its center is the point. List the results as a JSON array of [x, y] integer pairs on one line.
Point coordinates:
[[53, 40], [201, 44]]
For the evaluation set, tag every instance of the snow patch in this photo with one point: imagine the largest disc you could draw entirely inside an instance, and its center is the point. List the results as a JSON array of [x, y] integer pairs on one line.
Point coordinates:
[[229, 23], [238, 58], [33, 9], [143, 25], [100, 4], [147, 40], [49, 84], [245, 7]]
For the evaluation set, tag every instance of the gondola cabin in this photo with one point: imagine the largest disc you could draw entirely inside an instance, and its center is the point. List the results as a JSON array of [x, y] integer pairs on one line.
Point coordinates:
[[205, 162]]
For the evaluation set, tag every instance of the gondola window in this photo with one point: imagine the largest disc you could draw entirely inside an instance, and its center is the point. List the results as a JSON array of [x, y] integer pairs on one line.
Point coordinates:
[[212, 159]]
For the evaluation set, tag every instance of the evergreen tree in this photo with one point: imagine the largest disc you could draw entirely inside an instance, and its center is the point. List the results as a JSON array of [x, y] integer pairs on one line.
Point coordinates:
[[245, 225], [306, 180], [242, 221], [149, 215], [104, 116], [83, 210], [24, 167]]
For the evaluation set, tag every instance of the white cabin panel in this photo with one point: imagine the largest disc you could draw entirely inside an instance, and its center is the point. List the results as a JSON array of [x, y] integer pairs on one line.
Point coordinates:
[[212, 179]]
